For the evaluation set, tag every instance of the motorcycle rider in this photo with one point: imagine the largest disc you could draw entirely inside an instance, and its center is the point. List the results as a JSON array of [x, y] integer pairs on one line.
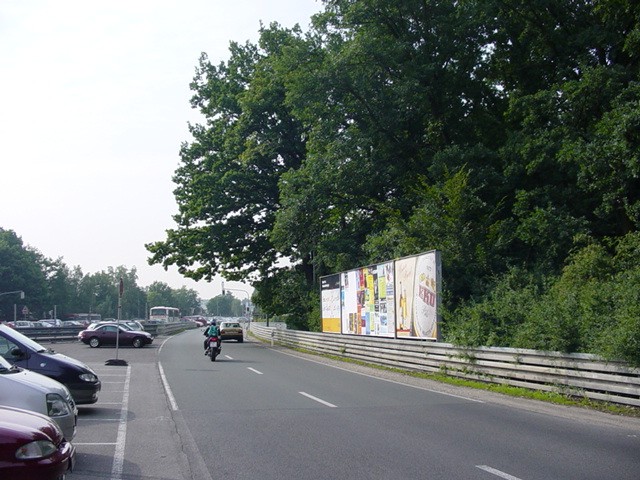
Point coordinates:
[[211, 331]]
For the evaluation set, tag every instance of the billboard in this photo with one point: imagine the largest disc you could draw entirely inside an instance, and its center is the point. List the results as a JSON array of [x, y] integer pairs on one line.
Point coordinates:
[[417, 286], [392, 299], [330, 303], [367, 300]]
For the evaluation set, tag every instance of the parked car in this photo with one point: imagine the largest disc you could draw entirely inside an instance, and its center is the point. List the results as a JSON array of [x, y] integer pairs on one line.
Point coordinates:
[[128, 324], [22, 388], [42, 324], [22, 324], [231, 331], [134, 324], [52, 322], [18, 349], [32, 447], [108, 334]]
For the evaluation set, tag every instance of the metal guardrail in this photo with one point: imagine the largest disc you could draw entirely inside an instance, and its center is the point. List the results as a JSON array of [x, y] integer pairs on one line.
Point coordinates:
[[580, 375]]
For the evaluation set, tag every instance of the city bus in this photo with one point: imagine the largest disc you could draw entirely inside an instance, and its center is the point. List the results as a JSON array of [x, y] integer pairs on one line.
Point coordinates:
[[164, 314]]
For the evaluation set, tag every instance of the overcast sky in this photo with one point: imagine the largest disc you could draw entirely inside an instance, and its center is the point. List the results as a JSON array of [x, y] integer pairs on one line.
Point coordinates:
[[94, 104]]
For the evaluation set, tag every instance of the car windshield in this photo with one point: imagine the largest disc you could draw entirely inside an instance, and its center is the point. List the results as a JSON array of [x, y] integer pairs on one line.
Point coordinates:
[[26, 341]]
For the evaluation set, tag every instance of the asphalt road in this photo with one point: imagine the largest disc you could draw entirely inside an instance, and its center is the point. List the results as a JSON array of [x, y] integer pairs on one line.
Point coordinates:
[[269, 413]]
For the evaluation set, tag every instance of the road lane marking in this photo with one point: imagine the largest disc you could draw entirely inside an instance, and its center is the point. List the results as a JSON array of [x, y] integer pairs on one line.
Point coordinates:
[[230, 358], [118, 457], [167, 389], [380, 378], [497, 473], [319, 400], [254, 370]]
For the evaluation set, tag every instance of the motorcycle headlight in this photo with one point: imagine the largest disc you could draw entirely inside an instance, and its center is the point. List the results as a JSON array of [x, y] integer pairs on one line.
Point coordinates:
[[35, 450], [57, 406], [88, 377]]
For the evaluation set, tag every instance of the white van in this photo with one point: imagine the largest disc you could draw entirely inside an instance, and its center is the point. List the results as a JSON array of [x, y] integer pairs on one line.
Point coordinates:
[[21, 388]]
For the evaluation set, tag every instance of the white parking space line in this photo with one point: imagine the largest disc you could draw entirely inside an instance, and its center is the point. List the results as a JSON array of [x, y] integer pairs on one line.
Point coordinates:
[[318, 400], [118, 457], [99, 419], [496, 472], [254, 370], [100, 444]]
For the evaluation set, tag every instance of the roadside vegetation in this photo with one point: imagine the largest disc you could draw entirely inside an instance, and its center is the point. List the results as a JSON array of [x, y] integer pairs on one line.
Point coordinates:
[[502, 133]]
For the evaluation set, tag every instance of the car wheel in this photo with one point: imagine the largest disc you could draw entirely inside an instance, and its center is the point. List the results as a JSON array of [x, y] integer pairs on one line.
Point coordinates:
[[137, 342], [94, 342]]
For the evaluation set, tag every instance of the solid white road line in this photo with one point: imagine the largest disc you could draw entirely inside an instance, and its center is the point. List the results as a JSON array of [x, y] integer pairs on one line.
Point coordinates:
[[118, 457], [318, 400], [167, 389], [254, 370], [497, 473]]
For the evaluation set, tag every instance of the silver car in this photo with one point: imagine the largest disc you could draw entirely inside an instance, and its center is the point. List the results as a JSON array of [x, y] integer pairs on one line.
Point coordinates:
[[21, 388]]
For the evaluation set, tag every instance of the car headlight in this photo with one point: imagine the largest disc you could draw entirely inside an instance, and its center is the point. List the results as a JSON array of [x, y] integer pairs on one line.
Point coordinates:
[[57, 406], [88, 377], [35, 450]]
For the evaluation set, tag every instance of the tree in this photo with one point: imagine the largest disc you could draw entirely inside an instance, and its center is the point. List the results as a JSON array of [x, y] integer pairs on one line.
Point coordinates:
[[227, 183], [187, 300], [224, 306], [20, 269], [160, 294]]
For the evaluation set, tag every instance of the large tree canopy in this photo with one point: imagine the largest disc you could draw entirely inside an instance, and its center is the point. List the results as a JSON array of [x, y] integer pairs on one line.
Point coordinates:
[[503, 133]]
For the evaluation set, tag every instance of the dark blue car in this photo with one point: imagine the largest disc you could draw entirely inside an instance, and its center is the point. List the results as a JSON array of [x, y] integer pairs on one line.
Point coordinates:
[[22, 351]]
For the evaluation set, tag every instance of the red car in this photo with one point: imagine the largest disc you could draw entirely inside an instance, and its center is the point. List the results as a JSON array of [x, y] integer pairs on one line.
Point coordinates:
[[109, 333], [32, 447]]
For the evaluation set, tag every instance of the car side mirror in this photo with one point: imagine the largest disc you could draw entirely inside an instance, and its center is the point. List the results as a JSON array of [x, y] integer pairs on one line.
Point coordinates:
[[17, 353]]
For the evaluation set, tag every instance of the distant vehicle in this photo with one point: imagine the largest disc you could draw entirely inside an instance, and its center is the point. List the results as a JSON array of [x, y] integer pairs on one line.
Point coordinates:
[[73, 323], [85, 318], [134, 324], [82, 382], [164, 314], [109, 333], [41, 324], [32, 446], [52, 322], [231, 331], [21, 388], [23, 324]]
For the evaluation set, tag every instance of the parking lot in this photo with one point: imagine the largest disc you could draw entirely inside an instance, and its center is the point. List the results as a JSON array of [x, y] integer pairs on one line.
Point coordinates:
[[129, 433]]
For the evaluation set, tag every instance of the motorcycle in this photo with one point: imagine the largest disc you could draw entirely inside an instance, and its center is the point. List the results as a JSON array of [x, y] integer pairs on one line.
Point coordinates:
[[213, 350]]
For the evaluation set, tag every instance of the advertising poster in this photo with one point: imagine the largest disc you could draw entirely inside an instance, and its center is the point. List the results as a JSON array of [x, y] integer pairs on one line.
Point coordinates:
[[330, 303], [416, 287], [367, 300]]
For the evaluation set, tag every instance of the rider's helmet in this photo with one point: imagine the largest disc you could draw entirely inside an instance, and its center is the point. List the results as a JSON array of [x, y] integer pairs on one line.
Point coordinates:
[[212, 322]]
